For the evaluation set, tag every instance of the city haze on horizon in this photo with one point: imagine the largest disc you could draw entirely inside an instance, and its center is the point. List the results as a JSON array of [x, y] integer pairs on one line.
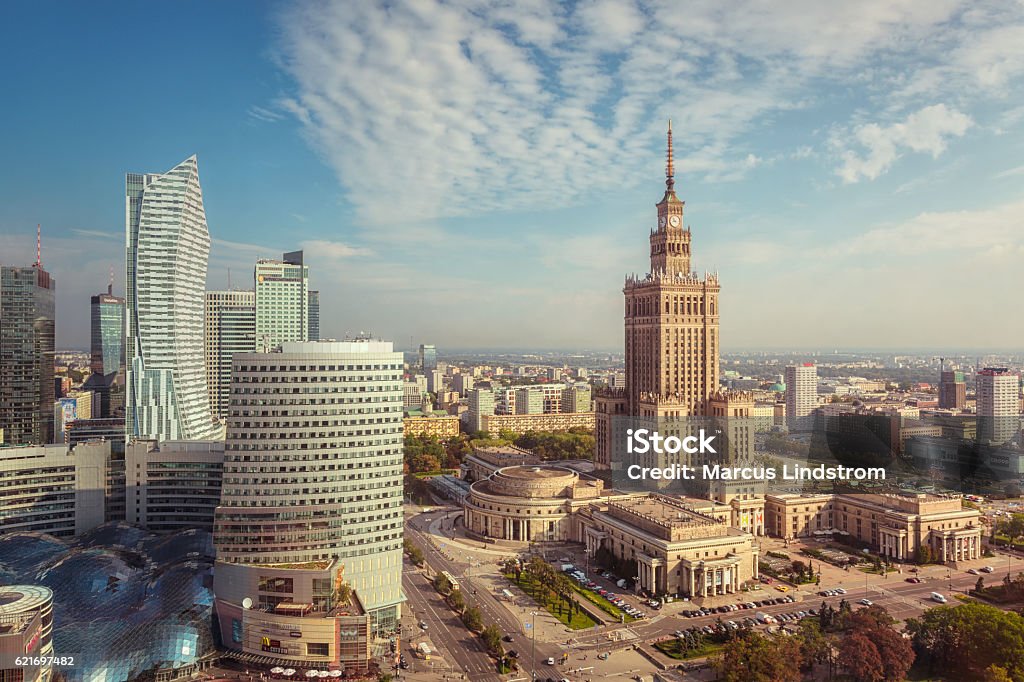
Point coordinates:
[[850, 191]]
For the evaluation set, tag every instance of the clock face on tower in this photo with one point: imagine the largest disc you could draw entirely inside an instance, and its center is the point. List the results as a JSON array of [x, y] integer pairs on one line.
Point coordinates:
[[674, 221]]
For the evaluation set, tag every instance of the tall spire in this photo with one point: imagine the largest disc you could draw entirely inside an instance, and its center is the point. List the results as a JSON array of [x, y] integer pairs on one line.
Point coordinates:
[[670, 171], [110, 285], [39, 245]]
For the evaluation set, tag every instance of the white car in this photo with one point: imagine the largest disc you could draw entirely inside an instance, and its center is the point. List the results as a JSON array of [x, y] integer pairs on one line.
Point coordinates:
[[988, 569], [551, 661], [865, 602], [840, 590]]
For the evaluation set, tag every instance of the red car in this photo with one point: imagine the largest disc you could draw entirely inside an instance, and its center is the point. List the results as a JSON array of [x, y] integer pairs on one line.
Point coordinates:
[[914, 580]]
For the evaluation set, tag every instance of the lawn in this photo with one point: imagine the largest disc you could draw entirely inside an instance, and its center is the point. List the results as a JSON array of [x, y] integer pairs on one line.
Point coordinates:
[[603, 604], [673, 649], [579, 620]]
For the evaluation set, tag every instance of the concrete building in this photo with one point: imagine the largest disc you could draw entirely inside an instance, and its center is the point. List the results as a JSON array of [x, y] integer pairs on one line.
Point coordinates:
[[801, 395], [435, 380], [26, 631], [53, 488], [529, 400], [462, 384], [312, 500], [443, 427], [998, 405], [893, 525], [577, 398], [167, 246], [173, 485], [314, 315], [27, 314], [481, 405], [282, 300], [230, 327], [413, 391], [677, 549], [521, 423], [952, 390]]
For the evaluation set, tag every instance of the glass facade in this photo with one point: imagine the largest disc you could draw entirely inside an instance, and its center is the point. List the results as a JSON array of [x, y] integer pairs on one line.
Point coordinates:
[[124, 602], [107, 334], [26, 355], [282, 301], [167, 246]]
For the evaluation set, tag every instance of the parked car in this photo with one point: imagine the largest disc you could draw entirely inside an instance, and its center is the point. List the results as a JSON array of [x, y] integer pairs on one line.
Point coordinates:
[[988, 569], [972, 571]]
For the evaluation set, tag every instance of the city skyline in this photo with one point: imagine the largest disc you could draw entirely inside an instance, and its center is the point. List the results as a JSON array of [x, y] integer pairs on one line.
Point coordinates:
[[872, 173]]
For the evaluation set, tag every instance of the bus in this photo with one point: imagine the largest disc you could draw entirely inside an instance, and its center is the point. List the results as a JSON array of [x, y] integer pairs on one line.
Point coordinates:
[[451, 579]]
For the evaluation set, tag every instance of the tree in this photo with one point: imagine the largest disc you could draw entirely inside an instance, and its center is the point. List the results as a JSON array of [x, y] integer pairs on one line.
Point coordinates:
[[471, 619], [995, 673], [752, 657], [980, 585], [414, 552], [872, 650], [924, 554], [815, 645], [965, 640], [1013, 527], [442, 584], [457, 601], [385, 677], [492, 638]]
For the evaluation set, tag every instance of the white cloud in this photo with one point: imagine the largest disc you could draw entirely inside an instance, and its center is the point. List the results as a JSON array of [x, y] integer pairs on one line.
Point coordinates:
[[1016, 170], [331, 250], [926, 130]]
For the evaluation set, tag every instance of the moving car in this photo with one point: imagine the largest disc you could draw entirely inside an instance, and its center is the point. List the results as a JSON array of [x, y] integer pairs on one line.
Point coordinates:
[[915, 579], [550, 661], [936, 597], [972, 571], [865, 602], [988, 569]]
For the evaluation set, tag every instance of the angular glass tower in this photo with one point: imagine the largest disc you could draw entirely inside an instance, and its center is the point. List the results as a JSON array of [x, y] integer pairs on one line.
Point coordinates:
[[107, 333], [167, 246]]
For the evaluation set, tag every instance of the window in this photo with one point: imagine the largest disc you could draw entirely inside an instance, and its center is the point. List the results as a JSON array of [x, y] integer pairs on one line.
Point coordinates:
[[318, 649]]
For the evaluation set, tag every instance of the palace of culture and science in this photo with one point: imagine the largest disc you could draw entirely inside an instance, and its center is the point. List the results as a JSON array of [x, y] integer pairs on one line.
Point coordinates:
[[672, 344]]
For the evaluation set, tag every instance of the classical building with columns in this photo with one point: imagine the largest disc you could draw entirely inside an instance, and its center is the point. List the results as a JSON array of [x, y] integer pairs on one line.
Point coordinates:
[[679, 549], [893, 525], [532, 503]]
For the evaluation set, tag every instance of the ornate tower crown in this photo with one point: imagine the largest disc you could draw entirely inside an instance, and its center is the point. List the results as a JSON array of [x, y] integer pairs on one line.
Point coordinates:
[[670, 243]]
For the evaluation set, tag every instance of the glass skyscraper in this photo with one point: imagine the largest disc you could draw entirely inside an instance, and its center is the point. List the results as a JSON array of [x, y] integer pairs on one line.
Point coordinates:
[[428, 357], [314, 315], [107, 333], [26, 355], [167, 246]]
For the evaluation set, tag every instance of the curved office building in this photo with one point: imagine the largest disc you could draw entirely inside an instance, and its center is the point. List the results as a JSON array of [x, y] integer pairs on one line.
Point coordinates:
[[167, 246], [311, 501]]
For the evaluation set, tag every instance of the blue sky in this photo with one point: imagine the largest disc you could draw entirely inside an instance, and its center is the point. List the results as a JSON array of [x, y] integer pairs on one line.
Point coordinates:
[[482, 173]]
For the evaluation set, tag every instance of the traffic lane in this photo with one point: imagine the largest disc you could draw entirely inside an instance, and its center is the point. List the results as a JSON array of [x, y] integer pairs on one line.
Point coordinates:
[[445, 629], [489, 605]]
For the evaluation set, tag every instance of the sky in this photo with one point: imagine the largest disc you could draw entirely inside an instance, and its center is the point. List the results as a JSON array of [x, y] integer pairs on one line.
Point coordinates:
[[483, 173]]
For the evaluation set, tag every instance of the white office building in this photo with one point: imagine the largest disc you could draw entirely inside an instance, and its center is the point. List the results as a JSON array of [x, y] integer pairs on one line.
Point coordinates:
[[167, 246], [801, 395], [998, 405], [312, 499], [230, 328], [282, 301]]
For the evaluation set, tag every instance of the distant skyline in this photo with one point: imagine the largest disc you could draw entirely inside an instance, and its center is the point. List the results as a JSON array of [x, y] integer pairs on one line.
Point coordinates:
[[483, 173]]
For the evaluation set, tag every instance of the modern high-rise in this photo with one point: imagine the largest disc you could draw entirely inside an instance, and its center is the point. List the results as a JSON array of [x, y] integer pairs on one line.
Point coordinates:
[[282, 301], [314, 316], [107, 333], [952, 390], [167, 247], [671, 335], [998, 405], [230, 328], [311, 505], [27, 310], [801, 395], [107, 352], [428, 357]]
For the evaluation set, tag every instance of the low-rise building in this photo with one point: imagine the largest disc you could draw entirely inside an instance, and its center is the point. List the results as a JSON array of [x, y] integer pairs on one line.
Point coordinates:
[[53, 489], [442, 427], [894, 525], [521, 423], [678, 550]]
